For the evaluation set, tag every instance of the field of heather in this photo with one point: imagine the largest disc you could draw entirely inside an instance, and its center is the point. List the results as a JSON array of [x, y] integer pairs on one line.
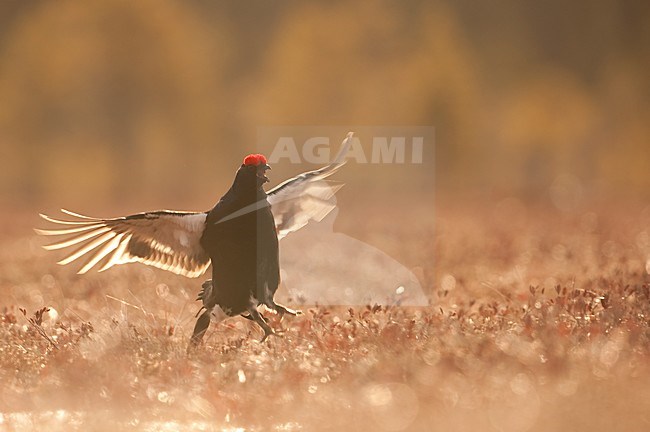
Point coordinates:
[[538, 321]]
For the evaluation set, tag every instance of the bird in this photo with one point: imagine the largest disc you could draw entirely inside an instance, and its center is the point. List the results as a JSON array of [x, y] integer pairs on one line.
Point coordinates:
[[239, 237]]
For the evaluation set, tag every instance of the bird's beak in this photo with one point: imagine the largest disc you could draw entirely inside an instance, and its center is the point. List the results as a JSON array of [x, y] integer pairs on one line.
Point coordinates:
[[261, 169]]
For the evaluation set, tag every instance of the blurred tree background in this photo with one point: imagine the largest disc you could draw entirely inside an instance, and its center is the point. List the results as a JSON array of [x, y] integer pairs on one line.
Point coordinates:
[[136, 101]]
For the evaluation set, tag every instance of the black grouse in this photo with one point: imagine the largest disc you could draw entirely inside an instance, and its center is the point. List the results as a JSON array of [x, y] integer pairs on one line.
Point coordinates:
[[238, 236]]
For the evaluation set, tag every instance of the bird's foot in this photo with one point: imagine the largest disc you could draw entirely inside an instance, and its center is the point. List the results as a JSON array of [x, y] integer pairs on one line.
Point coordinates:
[[192, 346], [194, 343], [262, 322], [271, 333], [200, 328], [281, 310]]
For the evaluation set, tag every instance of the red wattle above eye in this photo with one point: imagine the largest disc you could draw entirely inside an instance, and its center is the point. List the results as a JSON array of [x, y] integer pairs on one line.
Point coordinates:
[[255, 159]]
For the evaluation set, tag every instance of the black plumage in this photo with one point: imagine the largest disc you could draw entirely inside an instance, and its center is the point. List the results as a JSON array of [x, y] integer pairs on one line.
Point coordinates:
[[244, 252]]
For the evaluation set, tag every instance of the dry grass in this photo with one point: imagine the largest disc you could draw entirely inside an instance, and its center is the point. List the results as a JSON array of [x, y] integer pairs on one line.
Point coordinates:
[[539, 321]]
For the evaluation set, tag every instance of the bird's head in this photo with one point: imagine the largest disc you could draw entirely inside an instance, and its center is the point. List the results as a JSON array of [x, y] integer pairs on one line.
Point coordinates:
[[253, 170]]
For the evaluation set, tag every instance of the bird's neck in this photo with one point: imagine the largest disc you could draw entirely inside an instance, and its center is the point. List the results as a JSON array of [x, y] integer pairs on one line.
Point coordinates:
[[245, 194]]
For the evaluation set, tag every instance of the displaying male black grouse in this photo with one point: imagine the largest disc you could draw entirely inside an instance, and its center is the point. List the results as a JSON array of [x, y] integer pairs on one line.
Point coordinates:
[[238, 236]]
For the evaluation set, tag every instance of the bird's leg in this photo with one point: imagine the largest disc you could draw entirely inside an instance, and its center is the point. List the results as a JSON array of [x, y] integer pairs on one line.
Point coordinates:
[[281, 310], [249, 317], [206, 291], [199, 329], [261, 321]]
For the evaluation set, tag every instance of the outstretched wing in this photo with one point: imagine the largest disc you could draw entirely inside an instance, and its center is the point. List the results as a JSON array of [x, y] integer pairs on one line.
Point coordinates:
[[164, 239], [307, 196]]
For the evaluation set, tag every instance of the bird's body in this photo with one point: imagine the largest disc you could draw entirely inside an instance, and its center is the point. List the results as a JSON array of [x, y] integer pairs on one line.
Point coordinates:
[[244, 253], [243, 250], [238, 236]]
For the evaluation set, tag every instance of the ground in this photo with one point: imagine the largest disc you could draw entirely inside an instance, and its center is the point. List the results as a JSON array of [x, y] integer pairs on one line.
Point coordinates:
[[538, 322]]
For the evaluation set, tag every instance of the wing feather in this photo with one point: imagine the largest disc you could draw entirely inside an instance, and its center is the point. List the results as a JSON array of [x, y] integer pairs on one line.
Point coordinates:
[[308, 196], [65, 222], [103, 251], [66, 231], [116, 258], [171, 240], [80, 216], [84, 249], [76, 239], [164, 239]]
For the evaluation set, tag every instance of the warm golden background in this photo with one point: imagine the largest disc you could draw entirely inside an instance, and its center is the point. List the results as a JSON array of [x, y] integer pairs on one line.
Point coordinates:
[[536, 259], [123, 101]]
